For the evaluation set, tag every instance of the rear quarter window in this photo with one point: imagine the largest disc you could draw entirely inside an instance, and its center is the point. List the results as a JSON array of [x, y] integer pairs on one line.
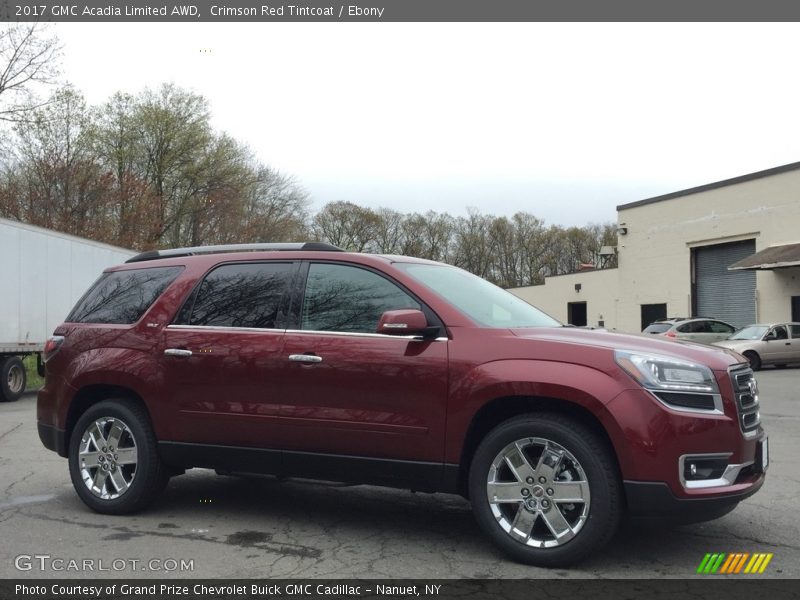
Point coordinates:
[[122, 297]]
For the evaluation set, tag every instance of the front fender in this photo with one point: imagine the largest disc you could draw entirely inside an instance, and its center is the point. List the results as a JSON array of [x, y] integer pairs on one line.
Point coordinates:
[[580, 385]]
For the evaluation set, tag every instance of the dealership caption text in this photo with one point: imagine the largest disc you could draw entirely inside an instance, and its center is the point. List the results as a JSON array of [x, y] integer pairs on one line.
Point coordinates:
[[192, 10], [255, 589]]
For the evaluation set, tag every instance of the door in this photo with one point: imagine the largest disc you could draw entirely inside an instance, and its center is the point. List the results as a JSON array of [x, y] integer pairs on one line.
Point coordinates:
[[223, 352], [576, 314], [796, 309], [349, 392], [777, 345], [652, 313], [718, 293], [794, 348]]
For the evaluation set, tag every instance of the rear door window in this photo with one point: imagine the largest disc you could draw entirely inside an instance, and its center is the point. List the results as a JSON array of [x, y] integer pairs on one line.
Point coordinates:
[[122, 297], [240, 295]]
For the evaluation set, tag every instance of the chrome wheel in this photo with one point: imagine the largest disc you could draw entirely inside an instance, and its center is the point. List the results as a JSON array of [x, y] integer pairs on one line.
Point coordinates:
[[538, 492], [16, 379], [107, 458]]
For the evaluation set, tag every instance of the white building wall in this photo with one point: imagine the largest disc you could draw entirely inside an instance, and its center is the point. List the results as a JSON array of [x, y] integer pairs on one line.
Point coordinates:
[[597, 288], [654, 256]]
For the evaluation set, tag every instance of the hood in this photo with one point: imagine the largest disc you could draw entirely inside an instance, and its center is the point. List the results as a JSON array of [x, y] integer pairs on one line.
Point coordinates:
[[716, 358], [737, 345]]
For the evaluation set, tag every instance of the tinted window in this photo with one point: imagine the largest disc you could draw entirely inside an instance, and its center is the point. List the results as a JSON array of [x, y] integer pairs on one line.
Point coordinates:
[[241, 295], [795, 331], [694, 327], [717, 327], [122, 297], [780, 333], [349, 299]]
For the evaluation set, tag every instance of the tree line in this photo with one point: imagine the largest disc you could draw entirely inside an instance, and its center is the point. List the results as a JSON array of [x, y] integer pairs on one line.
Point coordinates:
[[509, 251], [148, 170]]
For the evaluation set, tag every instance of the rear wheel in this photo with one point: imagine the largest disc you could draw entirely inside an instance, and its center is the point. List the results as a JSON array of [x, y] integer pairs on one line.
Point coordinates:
[[545, 489], [113, 458], [13, 378], [754, 359]]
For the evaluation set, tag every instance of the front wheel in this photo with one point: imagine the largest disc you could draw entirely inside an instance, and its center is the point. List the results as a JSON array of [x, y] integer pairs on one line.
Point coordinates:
[[113, 458], [545, 489], [754, 360]]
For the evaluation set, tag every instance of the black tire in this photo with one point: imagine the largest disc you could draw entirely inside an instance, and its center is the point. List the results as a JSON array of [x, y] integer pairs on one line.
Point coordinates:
[[754, 359], [13, 378], [145, 478], [596, 468]]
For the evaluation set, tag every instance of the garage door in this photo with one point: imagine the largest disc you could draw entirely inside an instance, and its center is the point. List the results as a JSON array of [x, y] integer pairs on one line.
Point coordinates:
[[726, 295]]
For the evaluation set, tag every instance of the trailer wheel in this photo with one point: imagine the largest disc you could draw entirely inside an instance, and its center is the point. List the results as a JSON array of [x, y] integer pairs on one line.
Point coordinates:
[[13, 378]]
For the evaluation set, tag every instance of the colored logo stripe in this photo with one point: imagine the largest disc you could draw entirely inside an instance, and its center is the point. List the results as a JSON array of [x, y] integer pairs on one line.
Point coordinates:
[[734, 563]]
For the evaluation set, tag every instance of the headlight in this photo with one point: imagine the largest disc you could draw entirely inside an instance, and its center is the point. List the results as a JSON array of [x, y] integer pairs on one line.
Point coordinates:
[[678, 383]]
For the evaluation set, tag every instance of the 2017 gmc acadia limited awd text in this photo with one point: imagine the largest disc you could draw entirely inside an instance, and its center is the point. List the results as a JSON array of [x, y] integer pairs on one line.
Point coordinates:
[[303, 360]]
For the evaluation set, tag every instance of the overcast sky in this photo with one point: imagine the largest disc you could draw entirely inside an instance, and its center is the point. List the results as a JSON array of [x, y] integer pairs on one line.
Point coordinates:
[[561, 120]]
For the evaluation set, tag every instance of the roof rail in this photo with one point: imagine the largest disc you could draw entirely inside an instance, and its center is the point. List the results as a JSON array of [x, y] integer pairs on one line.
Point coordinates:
[[284, 246]]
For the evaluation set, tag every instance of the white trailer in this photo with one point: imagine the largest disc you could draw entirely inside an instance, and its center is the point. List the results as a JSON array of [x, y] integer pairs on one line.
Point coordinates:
[[43, 275]]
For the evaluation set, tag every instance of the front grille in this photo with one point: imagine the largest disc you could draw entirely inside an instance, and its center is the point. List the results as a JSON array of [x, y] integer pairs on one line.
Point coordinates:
[[745, 390]]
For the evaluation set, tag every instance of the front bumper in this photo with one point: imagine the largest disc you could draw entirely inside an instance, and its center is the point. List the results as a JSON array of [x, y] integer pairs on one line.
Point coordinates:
[[650, 499]]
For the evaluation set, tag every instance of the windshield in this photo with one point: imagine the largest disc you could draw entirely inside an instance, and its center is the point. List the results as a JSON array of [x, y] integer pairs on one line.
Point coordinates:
[[753, 332], [484, 302]]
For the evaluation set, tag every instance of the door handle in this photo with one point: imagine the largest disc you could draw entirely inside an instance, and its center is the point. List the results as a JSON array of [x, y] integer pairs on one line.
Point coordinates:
[[305, 358], [178, 352]]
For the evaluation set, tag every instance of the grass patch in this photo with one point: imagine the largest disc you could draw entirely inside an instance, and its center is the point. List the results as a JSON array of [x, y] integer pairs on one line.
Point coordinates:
[[34, 381]]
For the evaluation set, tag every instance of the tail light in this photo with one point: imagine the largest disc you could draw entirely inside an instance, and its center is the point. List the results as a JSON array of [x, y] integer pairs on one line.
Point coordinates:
[[52, 346], [671, 334]]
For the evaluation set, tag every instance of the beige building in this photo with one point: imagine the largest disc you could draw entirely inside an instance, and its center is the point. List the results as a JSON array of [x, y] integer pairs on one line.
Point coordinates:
[[729, 250]]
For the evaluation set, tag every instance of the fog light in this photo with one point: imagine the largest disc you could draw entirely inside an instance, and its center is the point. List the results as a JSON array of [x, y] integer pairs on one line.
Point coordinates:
[[697, 468]]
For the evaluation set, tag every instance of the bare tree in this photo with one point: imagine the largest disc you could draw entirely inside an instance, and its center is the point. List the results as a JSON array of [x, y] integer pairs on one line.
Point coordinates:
[[346, 225], [28, 56]]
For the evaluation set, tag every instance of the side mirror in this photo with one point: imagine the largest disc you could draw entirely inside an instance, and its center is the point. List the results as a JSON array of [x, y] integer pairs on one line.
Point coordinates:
[[772, 335], [402, 322]]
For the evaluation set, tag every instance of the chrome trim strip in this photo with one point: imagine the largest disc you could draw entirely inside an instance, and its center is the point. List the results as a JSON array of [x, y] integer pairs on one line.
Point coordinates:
[[411, 338], [226, 328], [718, 408], [728, 476]]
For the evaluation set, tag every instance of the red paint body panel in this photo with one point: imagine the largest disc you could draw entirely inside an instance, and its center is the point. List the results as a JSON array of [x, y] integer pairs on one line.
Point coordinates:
[[379, 396]]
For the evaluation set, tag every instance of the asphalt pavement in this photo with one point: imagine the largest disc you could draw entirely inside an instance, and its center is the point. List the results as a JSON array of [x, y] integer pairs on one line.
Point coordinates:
[[211, 526]]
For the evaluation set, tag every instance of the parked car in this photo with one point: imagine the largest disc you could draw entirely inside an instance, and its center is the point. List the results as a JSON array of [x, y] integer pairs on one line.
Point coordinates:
[[303, 360], [766, 344], [699, 329]]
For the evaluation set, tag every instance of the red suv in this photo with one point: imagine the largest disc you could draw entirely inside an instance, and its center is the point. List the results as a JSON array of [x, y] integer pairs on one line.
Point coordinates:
[[303, 360]]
